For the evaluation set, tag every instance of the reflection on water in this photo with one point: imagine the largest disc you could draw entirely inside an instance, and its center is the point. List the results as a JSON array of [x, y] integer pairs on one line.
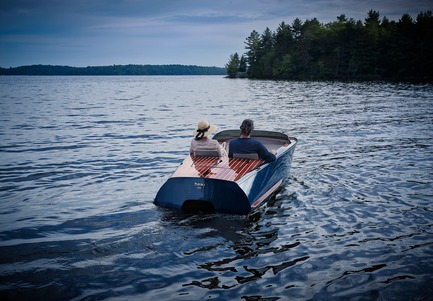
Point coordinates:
[[83, 157]]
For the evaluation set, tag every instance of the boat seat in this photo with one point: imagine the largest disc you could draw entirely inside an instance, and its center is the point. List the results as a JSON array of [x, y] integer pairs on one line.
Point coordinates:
[[249, 156], [206, 153]]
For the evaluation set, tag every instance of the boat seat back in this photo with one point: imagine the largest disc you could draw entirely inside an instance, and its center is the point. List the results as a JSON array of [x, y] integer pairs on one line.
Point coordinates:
[[206, 153], [250, 156]]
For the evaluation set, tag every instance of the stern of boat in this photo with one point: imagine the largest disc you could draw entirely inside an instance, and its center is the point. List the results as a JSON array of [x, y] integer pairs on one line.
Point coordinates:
[[203, 194]]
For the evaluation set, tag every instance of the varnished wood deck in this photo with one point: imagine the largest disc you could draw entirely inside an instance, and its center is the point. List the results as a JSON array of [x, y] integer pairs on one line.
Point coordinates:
[[224, 168]]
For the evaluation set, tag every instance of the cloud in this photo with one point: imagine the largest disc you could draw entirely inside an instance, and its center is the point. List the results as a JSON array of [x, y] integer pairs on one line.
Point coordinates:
[[202, 32]]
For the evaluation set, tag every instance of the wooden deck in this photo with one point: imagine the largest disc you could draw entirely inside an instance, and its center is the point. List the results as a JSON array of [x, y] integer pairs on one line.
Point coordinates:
[[224, 168]]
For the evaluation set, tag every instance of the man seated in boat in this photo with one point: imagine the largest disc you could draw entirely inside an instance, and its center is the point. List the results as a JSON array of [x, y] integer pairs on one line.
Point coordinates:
[[202, 143], [247, 145]]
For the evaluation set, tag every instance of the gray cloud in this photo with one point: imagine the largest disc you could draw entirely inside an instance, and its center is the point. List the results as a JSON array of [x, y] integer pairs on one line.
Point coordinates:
[[201, 32]]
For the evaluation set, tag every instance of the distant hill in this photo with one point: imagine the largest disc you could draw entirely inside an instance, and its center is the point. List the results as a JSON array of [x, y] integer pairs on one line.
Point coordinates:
[[114, 70]]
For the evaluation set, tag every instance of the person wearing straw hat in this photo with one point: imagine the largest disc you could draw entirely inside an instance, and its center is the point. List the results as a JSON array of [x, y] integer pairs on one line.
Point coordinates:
[[201, 140]]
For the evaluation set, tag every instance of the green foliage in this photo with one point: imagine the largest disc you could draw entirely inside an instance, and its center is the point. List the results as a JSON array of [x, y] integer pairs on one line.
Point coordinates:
[[233, 65], [243, 64], [236, 67], [114, 70], [342, 50]]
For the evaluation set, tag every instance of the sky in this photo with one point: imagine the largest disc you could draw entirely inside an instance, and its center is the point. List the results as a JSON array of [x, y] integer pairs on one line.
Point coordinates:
[[84, 33]]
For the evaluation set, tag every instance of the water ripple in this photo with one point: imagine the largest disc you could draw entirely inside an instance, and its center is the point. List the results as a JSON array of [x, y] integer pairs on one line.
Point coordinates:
[[83, 157]]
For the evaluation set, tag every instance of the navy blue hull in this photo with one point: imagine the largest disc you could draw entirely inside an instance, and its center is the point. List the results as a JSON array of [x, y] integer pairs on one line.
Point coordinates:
[[212, 194]]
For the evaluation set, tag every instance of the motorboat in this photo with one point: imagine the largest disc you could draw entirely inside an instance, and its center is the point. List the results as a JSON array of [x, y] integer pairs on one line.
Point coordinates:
[[207, 182]]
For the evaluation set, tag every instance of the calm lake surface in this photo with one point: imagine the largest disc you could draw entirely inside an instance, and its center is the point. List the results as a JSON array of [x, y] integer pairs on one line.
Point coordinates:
[[81, 159]]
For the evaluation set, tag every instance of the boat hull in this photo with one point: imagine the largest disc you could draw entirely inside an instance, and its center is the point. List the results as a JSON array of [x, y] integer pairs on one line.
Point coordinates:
[[196, 194]]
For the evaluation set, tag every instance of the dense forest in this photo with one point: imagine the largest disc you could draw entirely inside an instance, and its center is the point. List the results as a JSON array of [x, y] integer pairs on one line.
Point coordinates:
[[114, 70], [377, 49]]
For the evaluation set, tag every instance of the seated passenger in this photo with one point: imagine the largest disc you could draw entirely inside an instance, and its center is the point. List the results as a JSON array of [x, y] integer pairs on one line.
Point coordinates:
[[201, 140], [246, 145]]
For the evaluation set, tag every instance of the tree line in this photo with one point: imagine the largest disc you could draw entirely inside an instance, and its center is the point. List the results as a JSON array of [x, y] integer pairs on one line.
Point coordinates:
[[377, 49], [114, 70]]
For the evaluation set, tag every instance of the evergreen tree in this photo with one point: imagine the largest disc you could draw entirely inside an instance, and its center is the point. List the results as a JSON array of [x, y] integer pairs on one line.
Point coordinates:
[[266, 54], [243, 64], [424, 41], [297, 29], [233, 65], [283, 40], [253, 53]]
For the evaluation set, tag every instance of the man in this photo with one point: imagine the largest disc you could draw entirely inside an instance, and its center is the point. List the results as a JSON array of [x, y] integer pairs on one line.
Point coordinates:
[[246, 145]]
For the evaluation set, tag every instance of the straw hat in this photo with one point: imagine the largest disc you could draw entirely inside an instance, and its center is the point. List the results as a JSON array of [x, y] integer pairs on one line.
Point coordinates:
[[204, 129]]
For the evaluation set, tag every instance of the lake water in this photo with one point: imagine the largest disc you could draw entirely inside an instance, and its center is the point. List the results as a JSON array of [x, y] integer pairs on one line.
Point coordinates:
[[81, 159]]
